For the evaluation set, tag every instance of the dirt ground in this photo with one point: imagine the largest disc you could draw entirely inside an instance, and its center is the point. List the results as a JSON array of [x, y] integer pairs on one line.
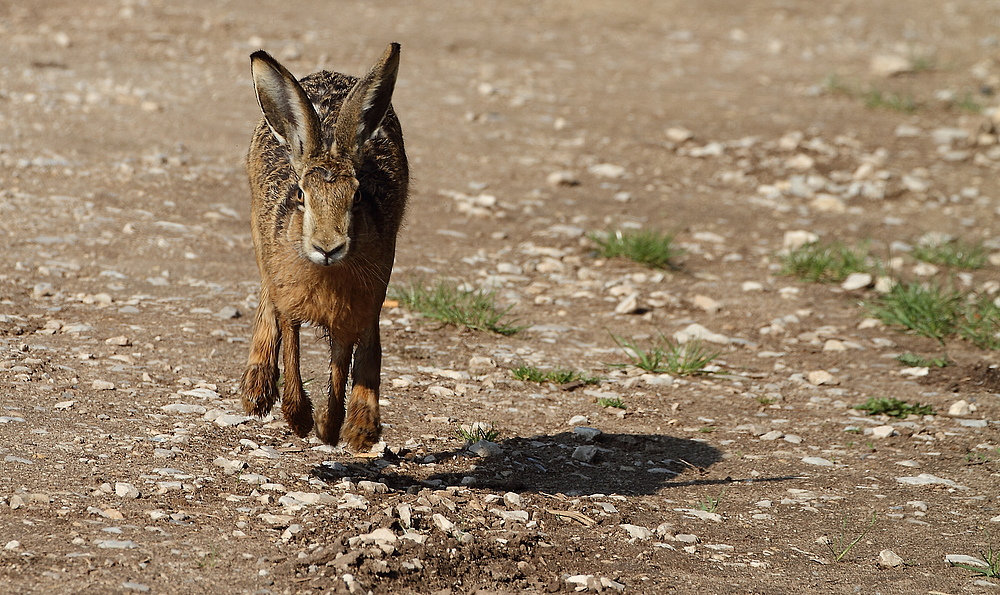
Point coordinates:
[[127, 289]]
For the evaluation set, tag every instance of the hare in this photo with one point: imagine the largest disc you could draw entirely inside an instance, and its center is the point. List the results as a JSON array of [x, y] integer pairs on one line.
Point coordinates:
[[328, 179]]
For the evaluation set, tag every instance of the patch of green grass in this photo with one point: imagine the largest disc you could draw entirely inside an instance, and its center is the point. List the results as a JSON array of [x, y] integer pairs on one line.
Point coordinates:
[[477, 310], [990, 558], [664, 356], [765, 400], [893, 407], [533, 374], [706, 429], [826, 263], [835, 84], [912, 359], [650, 248], [969, 103], [923, 63], [615, 402], [878, 99], [956, 253], [980, 323], [840, 546], [710, 504], [927, 310], [478, 431]]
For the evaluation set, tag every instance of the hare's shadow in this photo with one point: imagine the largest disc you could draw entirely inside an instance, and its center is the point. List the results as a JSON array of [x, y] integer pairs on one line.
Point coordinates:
[[626, 464]]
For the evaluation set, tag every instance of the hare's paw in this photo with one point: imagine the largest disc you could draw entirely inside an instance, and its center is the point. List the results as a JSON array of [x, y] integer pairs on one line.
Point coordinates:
[[363, 426], [259, 387], [298, 413], [328, 423]]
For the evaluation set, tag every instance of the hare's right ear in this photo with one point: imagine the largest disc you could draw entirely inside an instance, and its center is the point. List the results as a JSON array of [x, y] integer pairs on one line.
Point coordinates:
[[286, 107]]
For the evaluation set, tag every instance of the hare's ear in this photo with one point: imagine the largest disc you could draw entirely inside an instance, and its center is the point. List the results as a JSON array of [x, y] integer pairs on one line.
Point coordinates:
[[286, 107], [366, 105]]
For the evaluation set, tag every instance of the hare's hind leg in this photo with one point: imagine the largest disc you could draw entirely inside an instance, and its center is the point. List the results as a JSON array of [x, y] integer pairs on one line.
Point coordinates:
[[364, 426], [330, 418], [259, 384], [295, 405]]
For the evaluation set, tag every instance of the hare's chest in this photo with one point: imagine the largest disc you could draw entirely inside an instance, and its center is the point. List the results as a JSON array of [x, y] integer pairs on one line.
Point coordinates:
[[334, 299]]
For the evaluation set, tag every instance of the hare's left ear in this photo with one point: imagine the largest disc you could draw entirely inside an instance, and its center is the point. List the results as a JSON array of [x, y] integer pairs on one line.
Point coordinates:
[[366, 105], [286, 107]]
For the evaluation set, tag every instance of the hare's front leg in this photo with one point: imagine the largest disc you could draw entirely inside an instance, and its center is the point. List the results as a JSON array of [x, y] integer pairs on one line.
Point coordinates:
[[259, 384], [363, 426], [330, 418], [295, 404]]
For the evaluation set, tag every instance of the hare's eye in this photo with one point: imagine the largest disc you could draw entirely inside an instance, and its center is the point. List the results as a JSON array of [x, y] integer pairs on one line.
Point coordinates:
[[299, 195]]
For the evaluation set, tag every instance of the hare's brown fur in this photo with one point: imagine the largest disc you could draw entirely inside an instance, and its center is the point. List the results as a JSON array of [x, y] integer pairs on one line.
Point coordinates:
[[343, 297]]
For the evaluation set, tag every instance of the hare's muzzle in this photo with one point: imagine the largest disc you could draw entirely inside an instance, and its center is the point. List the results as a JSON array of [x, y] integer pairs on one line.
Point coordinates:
[[326, 256]]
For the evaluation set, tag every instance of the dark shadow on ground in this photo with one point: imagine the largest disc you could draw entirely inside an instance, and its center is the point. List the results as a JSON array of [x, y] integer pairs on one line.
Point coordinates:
[[565, 463]]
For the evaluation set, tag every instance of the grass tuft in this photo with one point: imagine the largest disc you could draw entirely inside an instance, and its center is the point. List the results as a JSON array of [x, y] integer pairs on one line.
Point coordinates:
[[615, 402], [956, 253], [877, 99], [533, 374], [841, 546], [980, 323], [927, 310], [651, 248], [828, 263], [893, 407], [477, 310], [478, 431], [664, 356], [912, 359]]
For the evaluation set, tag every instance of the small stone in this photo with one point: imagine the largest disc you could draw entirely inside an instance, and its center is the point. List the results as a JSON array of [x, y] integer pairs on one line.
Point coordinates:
[[479, 365], [964, 559], [111, 544], [800, 162], [578, 420], [227, 420], [637, 532], [628, 304], [131, 586], [121, 341], [585, 453], [276, 519], [706, 303], [959, 408], [697, 332], [820, 377], [12, 545], [102, 385], [229, 467], [834, 345], [856, 281], [794, 240], [827, 203], [587, 433], [819, 461], [927, 479], [607, 170], [883, 432], [915, 371], [485, 448], [441, 522], [64, 405], [686, 538], [513, 500], [227, 313], [772, 435], [887, 65], [562, 178], [126, 490], [678, 135], [183, 408]]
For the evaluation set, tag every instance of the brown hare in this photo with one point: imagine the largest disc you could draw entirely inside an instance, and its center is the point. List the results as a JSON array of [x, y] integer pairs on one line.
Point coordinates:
[[328, 178]]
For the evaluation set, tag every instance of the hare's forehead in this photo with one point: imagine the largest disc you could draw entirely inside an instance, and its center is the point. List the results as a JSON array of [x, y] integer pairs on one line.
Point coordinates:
[[330, 174]]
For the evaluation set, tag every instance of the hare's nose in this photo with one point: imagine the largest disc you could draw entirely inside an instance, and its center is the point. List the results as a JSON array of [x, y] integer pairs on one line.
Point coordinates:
[[333, 253]]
